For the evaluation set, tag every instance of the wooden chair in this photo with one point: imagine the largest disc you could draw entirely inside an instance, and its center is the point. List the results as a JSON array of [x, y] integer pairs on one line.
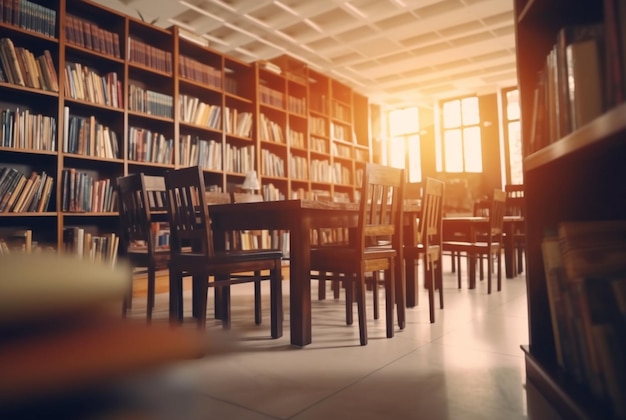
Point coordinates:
[[428, 245], [490, 245], [141, 197], [193, 254], [380, 215], [515, 206]]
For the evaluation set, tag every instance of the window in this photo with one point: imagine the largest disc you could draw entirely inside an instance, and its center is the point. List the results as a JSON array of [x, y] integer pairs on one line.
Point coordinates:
[[404, 147], [514, 173], [459, 149]]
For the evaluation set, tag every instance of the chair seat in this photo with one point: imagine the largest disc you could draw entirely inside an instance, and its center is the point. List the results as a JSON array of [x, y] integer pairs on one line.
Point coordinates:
[[462, 246]]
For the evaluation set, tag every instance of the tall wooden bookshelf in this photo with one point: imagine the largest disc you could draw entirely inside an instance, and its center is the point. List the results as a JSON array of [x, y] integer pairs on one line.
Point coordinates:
[[127, 101], [577, 177]]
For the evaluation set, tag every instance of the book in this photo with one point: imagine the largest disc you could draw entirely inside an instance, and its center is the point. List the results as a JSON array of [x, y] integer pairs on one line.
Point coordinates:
[[582, 60], [584, 82], [20, 241], [593, 247], [615, 51]]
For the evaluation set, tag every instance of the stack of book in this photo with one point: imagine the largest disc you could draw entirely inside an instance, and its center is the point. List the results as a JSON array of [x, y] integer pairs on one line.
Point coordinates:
[[585, 267]]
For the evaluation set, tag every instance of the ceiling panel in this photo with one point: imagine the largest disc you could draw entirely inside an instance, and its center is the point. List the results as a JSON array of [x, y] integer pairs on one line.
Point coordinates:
[[396, 52]]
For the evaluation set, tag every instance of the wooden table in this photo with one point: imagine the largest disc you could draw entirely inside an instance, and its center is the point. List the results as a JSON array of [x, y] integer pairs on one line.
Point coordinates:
[[298, 217], [470, 226]]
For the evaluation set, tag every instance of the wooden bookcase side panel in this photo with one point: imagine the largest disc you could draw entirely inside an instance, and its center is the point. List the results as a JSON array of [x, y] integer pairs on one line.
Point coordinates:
[[578, 177]]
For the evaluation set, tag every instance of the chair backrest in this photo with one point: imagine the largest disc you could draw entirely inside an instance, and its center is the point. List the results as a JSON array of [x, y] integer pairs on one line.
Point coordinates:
[[482, 207], [380, 207], [496, 214], [188, 212], [140, 195], [514, 199], [432, 212]]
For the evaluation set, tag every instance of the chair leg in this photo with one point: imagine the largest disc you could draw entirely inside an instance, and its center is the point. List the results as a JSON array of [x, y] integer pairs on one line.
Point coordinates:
[[360, 300], [376, 300], [412, 296], [200, 290], [348, 284], [150, 302], [390, 300], [321, 286], [257, 298], [490, 268], [458, 269], [176, 296], [429, 277], [276, 302], [498, 259], [439, 280], [196, 295], [336, 285]]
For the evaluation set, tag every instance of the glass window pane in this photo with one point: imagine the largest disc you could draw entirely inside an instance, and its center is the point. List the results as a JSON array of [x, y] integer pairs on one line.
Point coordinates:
[[451, 114], [515, 153], [472, 150], [403, 121], [512, 105], [415, 159], [470, 111], [453, 151], [396, 152]]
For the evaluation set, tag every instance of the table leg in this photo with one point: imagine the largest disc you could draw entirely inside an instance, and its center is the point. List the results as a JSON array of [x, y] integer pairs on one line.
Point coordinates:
[[509, 252], [300, 284]]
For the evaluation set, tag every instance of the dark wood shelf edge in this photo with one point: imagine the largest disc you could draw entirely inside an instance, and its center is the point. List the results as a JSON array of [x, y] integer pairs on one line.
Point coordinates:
[[606, 129], [552, 389]]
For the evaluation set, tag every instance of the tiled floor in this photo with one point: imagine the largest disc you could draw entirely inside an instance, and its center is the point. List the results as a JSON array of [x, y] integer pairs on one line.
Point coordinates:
[[467, 365]]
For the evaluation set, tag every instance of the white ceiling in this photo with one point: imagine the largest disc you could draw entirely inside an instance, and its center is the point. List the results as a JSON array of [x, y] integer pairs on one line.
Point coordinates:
[[397, 52]]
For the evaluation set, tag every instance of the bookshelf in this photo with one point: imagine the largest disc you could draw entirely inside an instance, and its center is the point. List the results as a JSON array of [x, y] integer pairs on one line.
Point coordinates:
[[575, 177], [130, 97]]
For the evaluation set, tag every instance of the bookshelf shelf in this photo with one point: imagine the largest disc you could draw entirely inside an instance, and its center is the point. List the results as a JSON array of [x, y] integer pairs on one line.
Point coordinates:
[[140, 64], [575, 177]]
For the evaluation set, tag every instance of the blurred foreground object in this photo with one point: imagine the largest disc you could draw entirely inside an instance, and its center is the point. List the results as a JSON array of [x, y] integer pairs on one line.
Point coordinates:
[[61, 329]]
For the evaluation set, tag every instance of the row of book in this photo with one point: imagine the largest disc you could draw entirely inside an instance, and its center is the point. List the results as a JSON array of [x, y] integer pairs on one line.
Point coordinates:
[[341, 112], [21, 129], [197, 71], [86, 84], [296, 138], [341, 150], [238, 123], [270, 130], [82, 192], [87, 137], [29, 15], [89, 35], [150, 102], [317, 126], [298, 167], [584, 75], [149, 56], [91, 246], [21, 67], [272, 164], [339, 132], [272, 97], [296, 105], [205, 153], [20, 193], [194, 111], [585, 270], [149, 146], [239, 159], [319, 145], [17, 242]]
